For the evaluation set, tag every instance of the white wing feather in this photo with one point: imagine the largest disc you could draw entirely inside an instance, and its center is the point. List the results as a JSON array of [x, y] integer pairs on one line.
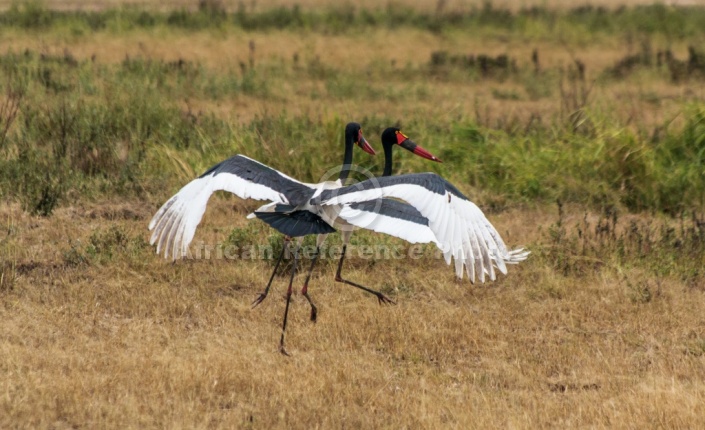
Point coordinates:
[[406, 230], [175, 223], [460, 228]]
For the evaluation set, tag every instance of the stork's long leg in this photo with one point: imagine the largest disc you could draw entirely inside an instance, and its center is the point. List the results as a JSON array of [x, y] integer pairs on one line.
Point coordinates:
[[288, 298], [339, 278], [304, 290], [314, 310], [263, 294]]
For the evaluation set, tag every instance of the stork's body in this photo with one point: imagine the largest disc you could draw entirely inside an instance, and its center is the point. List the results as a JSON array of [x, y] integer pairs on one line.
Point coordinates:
[[290, 210], [432, 211]]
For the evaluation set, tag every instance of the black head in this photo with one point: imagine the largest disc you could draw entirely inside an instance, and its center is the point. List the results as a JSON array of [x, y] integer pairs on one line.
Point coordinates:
[[393, 136], [353, 133]]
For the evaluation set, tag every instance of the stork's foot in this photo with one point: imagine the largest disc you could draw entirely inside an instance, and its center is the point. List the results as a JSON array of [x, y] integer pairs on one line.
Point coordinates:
[[384, 300], [381, 298], [283, 351], [259, 300], [314, 313], [314, 309]]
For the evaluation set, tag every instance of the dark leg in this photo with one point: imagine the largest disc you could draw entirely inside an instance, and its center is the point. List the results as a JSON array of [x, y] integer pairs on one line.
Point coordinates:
[[263, 295], [338, 278], [288, 300], [304, 290]]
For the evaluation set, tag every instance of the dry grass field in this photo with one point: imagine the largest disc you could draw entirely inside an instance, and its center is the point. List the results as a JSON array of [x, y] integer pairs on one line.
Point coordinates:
[[603, 326], [644, 101], [135, 342]]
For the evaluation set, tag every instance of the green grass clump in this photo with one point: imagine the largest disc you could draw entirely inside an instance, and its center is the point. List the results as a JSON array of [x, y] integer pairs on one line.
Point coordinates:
[[611, 167]]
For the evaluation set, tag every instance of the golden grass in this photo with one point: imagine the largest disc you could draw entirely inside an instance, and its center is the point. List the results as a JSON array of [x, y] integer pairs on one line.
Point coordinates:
[[130, 341], [390, 50], [137, 342]]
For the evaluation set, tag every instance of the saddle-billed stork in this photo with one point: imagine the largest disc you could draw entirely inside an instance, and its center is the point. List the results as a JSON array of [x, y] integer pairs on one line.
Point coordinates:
[[458, 227], [289, 212]]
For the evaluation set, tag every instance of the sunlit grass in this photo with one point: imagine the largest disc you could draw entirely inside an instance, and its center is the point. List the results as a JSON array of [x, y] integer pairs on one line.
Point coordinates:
[[589, 153]]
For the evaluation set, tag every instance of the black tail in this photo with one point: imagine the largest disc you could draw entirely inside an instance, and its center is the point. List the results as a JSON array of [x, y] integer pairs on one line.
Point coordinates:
[[296, 223]]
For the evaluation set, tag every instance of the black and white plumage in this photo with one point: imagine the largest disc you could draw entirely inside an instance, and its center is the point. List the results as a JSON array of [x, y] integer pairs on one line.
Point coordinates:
[[306, 218], [292, 222], [391, 217], [459, 227], [386, 215], [174, 224], [289, 210]]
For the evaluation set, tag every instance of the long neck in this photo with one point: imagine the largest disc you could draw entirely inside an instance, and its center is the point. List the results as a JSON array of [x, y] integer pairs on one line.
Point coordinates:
[[347, 159], [387, 160]]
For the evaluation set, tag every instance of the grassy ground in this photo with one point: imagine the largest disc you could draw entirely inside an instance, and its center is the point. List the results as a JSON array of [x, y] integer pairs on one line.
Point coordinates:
[[128, 341], [592, 157]]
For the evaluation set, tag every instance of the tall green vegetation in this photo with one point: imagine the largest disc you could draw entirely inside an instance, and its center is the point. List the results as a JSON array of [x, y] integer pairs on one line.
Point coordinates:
[[608, 167]]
